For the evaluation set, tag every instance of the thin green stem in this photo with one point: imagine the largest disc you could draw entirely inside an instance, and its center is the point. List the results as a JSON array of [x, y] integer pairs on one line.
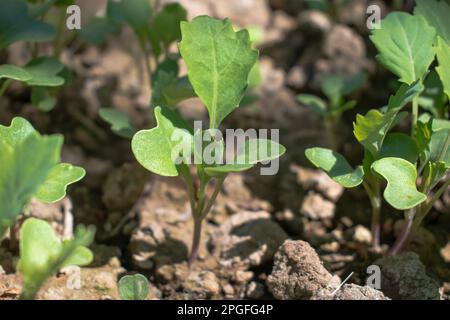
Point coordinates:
[[415, 115], [146, 56], [330, 131], [373, 191], [406, 234], [435, 197], [4, 87], [213, 197], [57, 43]]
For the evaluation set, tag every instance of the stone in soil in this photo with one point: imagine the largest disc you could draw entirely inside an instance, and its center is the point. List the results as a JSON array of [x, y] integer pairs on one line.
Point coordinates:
[[405, 277], [298, 272], [352, 292]]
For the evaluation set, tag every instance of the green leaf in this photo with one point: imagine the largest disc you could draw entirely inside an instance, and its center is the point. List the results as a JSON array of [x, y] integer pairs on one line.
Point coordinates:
[[438, 151], [157, 149], [43, 99], [422, 138], [443, 56], [252, 152], [42, 254], [119, 121], [54, 187], [137, 14], [336, 86], [315, 103], [436, 14], [405, 45], [133, 287], [399, 145], [17, 25], [165, 28], [26, 160], [433, 173], [45, 72], [97, 29], [13, 72], [433, 98], [401, 191], [371, 129], [336, 166], [219, 61]]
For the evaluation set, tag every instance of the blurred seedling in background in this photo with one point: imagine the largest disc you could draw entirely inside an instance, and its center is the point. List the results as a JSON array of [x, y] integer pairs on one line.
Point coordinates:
[[31, 168], [42, 253], [335, 88], [218, 63], [413, 166], [133, 287]]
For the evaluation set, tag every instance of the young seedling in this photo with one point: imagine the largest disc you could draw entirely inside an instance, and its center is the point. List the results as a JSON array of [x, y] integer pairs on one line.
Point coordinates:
[[133, 287], [42, 74], [372, 132], [397, 158], [218, 63], [335, 88], [42, 254], [30, 168]]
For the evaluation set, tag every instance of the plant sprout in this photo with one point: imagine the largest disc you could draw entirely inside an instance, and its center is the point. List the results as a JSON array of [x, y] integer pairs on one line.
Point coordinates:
[[218, 63], [335, 88]]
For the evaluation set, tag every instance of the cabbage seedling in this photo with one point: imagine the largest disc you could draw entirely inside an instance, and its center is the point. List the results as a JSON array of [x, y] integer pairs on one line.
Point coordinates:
[[31, 167], [218, 60], [134, 287], [335, 88], [42, 254]]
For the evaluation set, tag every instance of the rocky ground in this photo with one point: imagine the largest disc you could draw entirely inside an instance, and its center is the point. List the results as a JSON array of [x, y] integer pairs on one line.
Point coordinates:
[[295, 235]]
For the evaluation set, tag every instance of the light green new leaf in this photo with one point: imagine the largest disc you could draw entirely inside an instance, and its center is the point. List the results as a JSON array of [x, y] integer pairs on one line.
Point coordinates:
[[26, 159], [10, 71], [252, 152], [42, 253], [158, 149], [399, 145], [401, 191], [17, 25], [336, 86], [133, 287], [436, 14], [316, 104], [54, 187], [405, 45], [119, 121], [45, 72], [443, 56], [371, 129], [219, 61], [336, 166]]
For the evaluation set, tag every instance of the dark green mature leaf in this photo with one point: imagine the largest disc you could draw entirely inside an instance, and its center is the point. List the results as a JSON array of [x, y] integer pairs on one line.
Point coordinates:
[[17, 25], [405, 45], [219, 61], [315, 103], [59, 178], [158, 149], [399, 145], [371, 129], [337, 86], [137, 14], [439, 152], [422, 137], [443, 55], [42, 253], [133, 287], [43, 99], [436, 14], [45, 72], [165, 28], [401, 191], [97, 29], [119, 121], [336, 166], [432, 98], [10, 71], [26, 159]]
